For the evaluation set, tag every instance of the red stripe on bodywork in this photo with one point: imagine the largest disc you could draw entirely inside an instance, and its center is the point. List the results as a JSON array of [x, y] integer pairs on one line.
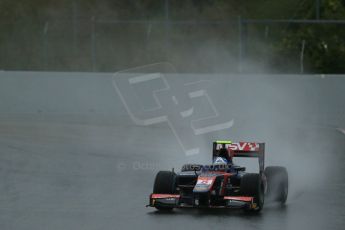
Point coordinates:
[[239, 198], [161, 196]]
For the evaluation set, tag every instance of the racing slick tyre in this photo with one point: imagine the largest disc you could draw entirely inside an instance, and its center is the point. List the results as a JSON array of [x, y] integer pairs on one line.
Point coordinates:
[[277, 183], [164, 184], [252, 185]]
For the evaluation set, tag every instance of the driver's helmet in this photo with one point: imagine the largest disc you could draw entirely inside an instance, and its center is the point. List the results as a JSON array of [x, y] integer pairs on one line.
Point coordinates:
[[224, 154], [220, 160]]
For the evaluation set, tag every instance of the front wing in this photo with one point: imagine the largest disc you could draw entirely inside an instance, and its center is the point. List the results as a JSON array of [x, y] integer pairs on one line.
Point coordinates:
[[174, 201]]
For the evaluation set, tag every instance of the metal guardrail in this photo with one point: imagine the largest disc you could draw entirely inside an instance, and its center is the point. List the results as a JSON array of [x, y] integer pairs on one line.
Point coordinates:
[[242, 29], [241, 23]]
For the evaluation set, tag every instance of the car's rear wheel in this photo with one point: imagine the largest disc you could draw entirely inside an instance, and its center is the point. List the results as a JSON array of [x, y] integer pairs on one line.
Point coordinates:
[[164, 184], [252, 185], [277, 183]]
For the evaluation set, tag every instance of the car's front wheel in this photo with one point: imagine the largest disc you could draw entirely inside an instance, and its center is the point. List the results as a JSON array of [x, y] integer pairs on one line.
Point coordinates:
[[164, 184], [252, 185]]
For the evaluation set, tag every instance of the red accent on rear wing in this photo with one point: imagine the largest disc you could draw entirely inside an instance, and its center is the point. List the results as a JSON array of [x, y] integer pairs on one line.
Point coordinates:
[[244, 149]]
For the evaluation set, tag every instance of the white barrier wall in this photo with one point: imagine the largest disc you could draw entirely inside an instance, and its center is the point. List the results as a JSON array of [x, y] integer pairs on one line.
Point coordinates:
[[44, 95]]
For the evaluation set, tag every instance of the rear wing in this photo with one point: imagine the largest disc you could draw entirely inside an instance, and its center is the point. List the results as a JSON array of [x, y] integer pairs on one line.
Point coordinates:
[[242, 149]]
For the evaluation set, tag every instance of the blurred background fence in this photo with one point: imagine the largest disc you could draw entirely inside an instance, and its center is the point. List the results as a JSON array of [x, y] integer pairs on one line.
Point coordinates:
[[233, 45]]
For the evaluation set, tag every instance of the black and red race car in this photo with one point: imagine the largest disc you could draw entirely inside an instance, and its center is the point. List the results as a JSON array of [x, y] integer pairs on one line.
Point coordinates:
[[222, 184]]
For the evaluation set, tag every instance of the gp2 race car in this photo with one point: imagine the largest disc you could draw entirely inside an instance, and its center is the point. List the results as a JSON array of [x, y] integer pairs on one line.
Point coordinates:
[[222, 184]]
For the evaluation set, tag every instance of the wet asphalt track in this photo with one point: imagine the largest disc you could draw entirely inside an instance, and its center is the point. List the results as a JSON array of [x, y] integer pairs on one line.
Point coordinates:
[[71, 157]]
